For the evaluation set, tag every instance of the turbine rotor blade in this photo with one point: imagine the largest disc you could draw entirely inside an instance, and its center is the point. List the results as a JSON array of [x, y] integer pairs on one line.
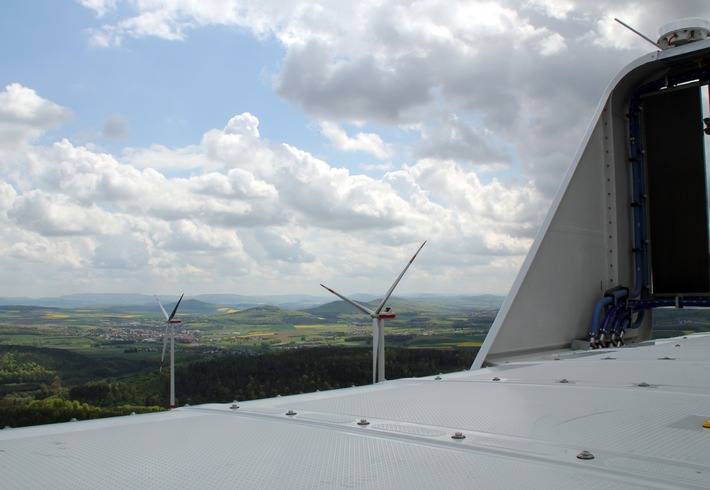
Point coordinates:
[[391, 290], [161, 307], [348, 300], [172, 315]]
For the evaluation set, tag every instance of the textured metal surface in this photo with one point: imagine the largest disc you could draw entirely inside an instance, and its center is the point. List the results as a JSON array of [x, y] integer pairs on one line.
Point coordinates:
[[523, 431]]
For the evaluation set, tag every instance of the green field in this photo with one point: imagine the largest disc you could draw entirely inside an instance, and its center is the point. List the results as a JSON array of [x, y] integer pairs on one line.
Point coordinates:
[[101, 332]]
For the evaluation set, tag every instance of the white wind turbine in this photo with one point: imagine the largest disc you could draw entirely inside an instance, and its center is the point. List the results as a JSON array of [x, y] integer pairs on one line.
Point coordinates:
[[172, 321], [378, 323]]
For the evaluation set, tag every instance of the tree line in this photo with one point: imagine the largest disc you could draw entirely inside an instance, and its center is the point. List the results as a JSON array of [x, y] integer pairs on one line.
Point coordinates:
[[220, 379], [272, 373]]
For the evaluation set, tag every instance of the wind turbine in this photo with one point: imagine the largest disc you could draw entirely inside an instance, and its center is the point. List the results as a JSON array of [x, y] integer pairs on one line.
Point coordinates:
[[378, 323], [171, 322]]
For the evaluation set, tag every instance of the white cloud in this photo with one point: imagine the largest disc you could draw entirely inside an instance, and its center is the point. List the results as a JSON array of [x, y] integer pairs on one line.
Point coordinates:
[[365, 142], [271, 211], [163, 158], [101, 7], [24, 116]]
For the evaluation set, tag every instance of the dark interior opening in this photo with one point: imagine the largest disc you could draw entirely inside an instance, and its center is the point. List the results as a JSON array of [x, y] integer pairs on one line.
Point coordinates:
[[677, 192]]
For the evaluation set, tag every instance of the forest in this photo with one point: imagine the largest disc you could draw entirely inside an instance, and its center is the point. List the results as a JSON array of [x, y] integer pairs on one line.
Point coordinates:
[[43, 385]]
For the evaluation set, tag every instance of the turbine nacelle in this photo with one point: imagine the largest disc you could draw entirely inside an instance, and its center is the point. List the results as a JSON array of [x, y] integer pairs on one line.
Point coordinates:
[[388, 313]]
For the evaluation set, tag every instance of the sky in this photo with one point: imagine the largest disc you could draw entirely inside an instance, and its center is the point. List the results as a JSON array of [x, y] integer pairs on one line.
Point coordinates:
[[266, 147]]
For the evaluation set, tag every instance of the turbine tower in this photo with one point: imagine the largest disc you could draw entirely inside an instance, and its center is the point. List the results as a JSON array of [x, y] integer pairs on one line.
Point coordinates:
[[378, 323], [171, 322]]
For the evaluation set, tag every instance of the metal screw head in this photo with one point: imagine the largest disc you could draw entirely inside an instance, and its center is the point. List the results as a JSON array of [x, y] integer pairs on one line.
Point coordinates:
[[291, 413], [563, 380], [585, 455], [437, 378], [643, 384], [458, 435], [363, 422], [234, 406], [496, 379]]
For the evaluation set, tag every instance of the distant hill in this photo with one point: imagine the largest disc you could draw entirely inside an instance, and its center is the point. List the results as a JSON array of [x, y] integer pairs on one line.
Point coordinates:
[[268, 316], [425, 304], [290, 301], [189, 306], [208, 304], [140, 301]]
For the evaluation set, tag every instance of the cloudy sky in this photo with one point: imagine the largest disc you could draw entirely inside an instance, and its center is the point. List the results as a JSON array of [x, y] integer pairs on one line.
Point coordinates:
[[264, 147]]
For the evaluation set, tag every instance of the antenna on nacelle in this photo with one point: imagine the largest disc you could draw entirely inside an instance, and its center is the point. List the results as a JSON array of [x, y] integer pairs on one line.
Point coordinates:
[[645, 38], [683, 31]]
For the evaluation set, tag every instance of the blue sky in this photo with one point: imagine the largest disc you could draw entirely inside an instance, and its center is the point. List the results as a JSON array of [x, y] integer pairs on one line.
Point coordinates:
[[267, 147], [169, 92]]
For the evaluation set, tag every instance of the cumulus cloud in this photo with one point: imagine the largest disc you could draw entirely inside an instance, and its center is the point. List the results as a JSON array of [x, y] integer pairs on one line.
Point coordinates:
[[465, 142], [282, 247], [270, 204], [25, 115], [365, 142]]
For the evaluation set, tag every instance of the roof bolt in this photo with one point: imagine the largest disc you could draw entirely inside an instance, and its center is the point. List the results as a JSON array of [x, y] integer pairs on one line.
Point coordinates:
[[496, 379], [458, 436], [290, 413], [677, 345], [438, 378], [564, 380], [585, 455], [234, 405], [643, 384], [363, 422]]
